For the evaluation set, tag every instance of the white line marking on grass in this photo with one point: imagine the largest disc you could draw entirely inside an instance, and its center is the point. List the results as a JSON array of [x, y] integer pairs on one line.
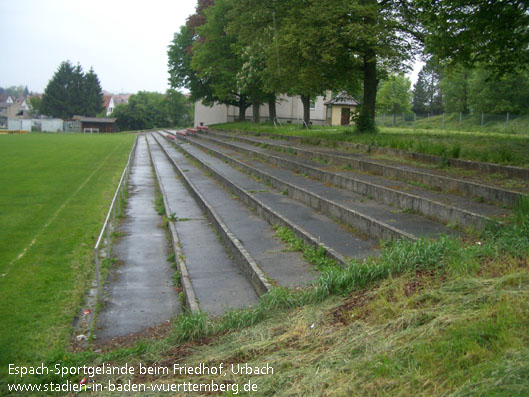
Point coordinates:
[[56, 214]]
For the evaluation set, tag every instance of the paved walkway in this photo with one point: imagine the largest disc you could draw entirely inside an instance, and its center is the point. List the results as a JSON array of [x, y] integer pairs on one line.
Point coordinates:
[[139, 291]]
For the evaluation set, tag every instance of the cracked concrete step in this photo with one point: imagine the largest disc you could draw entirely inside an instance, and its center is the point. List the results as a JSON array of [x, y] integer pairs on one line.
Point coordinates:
[[403, 172], [218, 283], [444, 207], [313, 227], [376, 219], [139, 291], [282, 267]]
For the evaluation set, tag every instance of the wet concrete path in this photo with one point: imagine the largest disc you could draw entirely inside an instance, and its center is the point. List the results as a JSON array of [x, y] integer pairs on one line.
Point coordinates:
[[139, 292]]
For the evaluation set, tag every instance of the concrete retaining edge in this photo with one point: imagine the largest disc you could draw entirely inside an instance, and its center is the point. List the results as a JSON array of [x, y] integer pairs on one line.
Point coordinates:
[[350, 217], [507, 170], [187, 286], [430, 208], [257, 277], [465, 188]]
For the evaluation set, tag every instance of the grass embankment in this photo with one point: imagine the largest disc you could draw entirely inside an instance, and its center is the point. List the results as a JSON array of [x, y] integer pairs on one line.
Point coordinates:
[[443, 317], [56, 190], [517, 124], [486, 146]]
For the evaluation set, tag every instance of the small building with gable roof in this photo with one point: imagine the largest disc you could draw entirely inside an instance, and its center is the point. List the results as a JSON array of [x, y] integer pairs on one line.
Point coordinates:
[[340, 109]]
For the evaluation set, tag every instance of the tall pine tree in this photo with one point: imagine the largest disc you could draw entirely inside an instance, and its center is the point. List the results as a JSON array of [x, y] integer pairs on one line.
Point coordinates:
[[93, 94], [72, 92]]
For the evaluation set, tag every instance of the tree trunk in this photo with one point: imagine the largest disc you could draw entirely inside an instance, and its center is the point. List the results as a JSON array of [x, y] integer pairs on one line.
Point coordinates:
[[305, 99], [272, 108], [243, 105], [370, 84], [366, 121], [255, 112]]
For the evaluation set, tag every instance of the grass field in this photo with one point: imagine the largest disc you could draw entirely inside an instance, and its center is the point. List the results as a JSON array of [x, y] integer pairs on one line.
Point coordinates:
[[487, 146], [55, 192]]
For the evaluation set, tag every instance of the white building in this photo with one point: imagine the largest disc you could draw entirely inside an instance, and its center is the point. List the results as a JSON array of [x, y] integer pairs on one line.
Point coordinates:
[[288, 110]]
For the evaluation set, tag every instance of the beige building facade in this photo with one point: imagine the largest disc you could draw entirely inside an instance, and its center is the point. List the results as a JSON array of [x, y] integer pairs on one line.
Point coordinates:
[[289, 110]]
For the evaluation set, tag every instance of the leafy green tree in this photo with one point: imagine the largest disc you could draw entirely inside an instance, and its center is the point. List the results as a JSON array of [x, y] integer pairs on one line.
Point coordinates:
[[455, 86], [490, 93], [35, 104], [179, 110], [147, 110], [215, 59], [492, 34], [394, 95], [181, 74]]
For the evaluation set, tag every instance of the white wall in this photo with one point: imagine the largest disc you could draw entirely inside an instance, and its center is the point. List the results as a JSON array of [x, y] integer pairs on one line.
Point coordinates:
[[207, 115], [47, 125], [18, 124], [287, 109], [52, 125]]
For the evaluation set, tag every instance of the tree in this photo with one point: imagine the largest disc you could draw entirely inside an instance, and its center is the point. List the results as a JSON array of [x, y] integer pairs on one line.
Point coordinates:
[[420, 95], [147, 110], [93, 94], [180, 54], [288, 51], [35, 104], [70, 92], [215, 59], [490, 93], [178, 109], [394, 95], [492, 34], [455, 85], [428, 97], [55, 100]]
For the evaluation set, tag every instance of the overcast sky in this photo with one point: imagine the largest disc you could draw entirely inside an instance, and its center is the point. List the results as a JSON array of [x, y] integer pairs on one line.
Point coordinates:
[[125, 41]]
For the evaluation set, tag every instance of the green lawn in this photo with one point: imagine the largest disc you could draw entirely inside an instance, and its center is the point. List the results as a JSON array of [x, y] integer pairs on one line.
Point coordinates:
[[487, 146], [55, 192]]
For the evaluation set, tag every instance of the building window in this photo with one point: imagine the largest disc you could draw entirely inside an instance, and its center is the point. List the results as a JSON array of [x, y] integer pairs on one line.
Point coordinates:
[[312, 105]]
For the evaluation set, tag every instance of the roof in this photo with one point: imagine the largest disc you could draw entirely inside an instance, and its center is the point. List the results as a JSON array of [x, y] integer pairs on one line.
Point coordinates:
[[84, 119], [4, 98], [106, 100], [343, 98], [121, 98]]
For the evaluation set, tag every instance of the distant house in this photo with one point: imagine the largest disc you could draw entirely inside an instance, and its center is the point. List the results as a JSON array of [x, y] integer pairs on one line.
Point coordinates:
[[340, 109], [11, 109], [114, 101], [106, 103], [288, 110]]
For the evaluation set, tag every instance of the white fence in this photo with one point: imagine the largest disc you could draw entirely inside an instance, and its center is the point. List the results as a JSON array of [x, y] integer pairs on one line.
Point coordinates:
[[44, 125]]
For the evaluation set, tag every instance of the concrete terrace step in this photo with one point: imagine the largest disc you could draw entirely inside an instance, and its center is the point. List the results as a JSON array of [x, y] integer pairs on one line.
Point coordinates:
[[218, 283], [478, 167], [444, 207], [445, 183], [276, 208], [139, 291], [360, 212], [280, 266]]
